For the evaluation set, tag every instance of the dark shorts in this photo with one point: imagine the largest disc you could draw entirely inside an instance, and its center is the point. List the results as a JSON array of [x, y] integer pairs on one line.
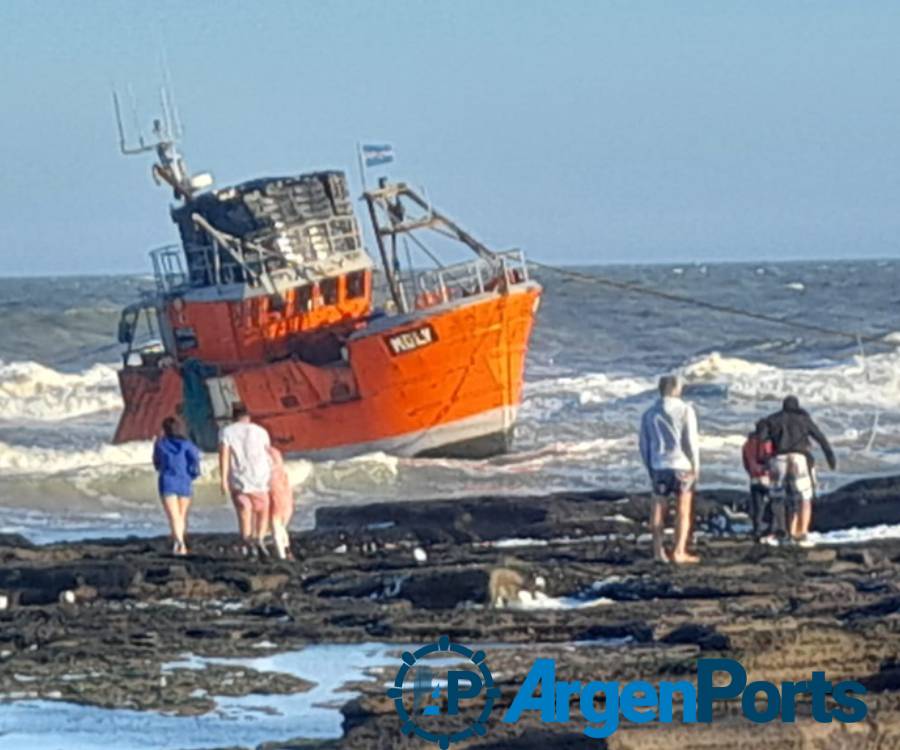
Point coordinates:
[[175, 486], [668, 482]]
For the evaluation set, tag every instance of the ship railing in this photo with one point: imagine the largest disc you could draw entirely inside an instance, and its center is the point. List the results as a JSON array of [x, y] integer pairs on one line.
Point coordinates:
[[328, 241], [230, 260], [168, 268], [439, 285], [220, 264]]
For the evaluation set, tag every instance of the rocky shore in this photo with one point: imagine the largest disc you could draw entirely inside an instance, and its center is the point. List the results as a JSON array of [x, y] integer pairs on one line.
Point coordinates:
[[97, 623]]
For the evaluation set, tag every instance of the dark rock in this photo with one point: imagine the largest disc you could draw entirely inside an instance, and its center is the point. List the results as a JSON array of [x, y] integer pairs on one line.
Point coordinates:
[[866, 502], [881, 608], [704, 636], [869, 558], [253, 583], [824, 555], [780, 611], [886, 679], [635, 631], [15, 540]]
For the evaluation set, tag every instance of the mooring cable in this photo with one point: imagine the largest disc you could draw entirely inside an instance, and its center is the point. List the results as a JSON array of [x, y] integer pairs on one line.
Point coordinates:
[[633, 288]]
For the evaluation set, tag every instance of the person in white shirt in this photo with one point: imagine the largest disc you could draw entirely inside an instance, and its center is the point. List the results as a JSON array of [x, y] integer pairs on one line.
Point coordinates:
[[246, 473], [670, 452]]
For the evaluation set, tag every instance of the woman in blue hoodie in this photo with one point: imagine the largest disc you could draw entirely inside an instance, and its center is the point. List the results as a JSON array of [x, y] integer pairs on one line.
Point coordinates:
[[177, 461]]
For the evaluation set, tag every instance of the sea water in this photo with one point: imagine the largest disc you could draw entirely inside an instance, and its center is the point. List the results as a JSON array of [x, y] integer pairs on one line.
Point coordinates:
[[235, 721], [595, 357]]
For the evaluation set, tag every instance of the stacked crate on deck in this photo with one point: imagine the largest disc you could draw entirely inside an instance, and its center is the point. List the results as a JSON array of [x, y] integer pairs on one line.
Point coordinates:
[[298, 219]]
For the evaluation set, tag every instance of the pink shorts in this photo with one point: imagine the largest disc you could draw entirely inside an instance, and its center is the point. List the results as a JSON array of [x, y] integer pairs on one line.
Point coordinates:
[[257, 501]]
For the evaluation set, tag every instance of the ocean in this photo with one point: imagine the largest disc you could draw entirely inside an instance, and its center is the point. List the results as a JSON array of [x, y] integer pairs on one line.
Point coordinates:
[[595, 356]]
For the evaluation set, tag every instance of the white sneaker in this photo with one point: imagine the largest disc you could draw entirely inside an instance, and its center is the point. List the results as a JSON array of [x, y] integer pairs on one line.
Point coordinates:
[[772, 541]]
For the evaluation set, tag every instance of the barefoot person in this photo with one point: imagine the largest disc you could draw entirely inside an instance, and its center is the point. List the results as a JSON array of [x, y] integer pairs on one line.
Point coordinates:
[[177, 461], [793, 476], [281, 506], [246, 472], [670, 451]]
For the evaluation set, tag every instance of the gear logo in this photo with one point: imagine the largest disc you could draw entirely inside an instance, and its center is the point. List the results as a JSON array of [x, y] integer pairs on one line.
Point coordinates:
[[419, 692]]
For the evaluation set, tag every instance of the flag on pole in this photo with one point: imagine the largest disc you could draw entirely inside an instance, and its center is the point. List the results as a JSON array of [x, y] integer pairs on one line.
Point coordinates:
[[373, 155]]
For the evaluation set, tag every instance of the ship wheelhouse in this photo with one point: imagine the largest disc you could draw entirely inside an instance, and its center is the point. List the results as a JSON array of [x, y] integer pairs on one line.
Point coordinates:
[[261, 263]]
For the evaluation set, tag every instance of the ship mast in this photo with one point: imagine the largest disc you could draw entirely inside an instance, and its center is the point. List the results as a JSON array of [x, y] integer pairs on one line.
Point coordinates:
[[166, 133]]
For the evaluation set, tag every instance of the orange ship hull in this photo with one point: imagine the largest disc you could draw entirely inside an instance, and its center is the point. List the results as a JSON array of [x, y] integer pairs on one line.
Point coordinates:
[[150, 394], [445, 380]]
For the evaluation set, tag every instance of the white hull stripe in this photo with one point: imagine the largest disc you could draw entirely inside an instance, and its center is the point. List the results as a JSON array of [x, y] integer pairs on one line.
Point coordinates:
[[486, 423]]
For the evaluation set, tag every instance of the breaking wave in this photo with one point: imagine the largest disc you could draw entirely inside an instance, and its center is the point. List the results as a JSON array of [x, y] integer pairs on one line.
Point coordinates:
[[31, 391], [574, 432], [32, 460], [861, 382]]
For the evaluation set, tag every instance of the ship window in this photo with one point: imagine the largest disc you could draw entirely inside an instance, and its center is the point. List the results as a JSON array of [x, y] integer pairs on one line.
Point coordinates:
[[185, 338], [356, 284], [329, 291], [303, 299]]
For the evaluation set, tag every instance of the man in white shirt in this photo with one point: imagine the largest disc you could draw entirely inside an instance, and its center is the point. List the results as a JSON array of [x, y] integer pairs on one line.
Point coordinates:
[[246, 472], [670, 451]]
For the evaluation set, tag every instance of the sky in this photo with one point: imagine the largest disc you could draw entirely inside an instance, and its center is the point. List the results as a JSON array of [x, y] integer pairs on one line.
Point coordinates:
[[582, 132]]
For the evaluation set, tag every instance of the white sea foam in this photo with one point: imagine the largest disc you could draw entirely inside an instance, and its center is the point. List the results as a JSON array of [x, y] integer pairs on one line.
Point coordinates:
[[857, 535], [518, 542], [589, 388], [298, 470], [531, 600], [17, 459], [870, 382], [32, 391]]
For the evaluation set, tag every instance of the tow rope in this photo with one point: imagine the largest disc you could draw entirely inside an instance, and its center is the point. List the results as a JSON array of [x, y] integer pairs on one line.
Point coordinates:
[[633, 288]]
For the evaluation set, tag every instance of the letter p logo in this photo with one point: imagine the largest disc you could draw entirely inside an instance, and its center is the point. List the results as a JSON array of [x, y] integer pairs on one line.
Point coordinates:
[[472, 686]]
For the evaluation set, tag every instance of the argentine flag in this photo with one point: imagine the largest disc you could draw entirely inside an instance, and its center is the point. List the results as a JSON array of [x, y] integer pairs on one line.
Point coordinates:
[[373, 155]]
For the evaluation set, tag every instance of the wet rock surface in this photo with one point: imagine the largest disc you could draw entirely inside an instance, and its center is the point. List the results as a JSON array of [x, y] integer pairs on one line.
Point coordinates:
[[97, 622]]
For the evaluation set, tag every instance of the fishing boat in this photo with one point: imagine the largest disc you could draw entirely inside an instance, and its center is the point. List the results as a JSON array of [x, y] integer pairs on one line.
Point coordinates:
[[270, 301]]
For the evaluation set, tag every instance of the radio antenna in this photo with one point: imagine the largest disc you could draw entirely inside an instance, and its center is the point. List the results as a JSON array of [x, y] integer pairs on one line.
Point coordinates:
[[135, 120], [170, 167], [171, 102]]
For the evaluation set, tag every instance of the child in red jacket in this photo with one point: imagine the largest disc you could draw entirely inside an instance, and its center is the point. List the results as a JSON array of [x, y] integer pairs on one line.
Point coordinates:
[[757, 452]]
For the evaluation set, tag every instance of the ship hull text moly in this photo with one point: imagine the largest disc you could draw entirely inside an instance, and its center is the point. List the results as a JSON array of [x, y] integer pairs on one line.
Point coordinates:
[[640, 702]]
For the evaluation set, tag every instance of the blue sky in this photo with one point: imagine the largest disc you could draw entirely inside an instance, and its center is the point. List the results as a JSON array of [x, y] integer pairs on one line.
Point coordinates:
[[583, 132]]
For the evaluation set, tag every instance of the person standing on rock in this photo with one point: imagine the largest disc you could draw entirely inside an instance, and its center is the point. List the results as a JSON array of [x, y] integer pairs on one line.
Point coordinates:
[[669, 444], [177, 462], [756, 454], [246, 473], [793, 475], [282, 505]]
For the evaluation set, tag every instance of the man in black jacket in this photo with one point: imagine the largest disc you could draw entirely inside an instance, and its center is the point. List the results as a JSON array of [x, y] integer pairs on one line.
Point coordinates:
[[790, 431]]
